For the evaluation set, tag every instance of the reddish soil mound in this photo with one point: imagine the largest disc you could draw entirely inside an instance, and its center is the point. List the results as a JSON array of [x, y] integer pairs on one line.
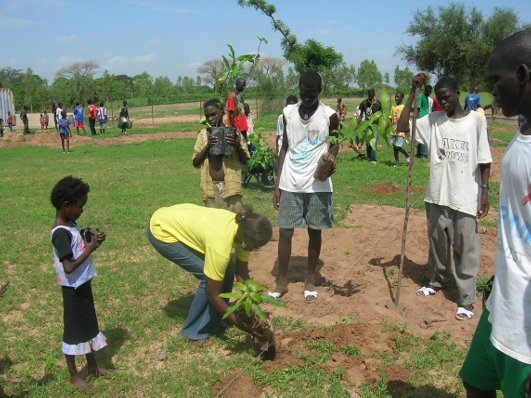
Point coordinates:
[[384, 187]]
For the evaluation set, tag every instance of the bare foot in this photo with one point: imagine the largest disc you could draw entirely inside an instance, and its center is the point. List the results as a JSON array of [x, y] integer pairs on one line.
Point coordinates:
[[280, 289], [78, 382], [100, 372]]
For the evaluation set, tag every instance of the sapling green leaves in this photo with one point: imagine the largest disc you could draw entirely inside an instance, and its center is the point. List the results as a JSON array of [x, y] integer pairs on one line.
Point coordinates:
[[248, 297]]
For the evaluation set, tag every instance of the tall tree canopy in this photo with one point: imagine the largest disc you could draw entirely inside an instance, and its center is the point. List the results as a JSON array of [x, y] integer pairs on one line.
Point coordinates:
[[368, 75], [311, 55], [456, 41]]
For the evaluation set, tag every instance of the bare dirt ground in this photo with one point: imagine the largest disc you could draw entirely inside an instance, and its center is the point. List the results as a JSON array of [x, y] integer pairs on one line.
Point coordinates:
[[356, 279], [52, 140]]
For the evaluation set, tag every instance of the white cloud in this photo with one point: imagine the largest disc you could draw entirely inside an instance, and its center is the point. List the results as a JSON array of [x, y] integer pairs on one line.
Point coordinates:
[[14, 22], [156, 6], [118, 60], [68, 38], [195, 63], [67, 60], [18, 5], [144, 59]]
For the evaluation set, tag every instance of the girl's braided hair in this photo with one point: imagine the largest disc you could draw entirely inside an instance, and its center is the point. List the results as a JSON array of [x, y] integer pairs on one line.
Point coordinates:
[[256, 228]]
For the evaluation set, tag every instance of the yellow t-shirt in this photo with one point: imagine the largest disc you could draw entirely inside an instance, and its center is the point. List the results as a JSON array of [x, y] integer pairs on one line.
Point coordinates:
[[206, 230], [396, 111]]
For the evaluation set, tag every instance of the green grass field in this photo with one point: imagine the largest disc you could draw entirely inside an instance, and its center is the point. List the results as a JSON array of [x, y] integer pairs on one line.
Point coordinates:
[[141, 301]]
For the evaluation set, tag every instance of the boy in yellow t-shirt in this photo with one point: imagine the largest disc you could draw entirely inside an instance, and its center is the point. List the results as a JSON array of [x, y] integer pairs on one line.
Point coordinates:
[[397, 137]]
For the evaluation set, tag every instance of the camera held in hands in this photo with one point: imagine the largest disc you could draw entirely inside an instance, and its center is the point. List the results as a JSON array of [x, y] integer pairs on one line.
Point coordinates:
[[88, 234]]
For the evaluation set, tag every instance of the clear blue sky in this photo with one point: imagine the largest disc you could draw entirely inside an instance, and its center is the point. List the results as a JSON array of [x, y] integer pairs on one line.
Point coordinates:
[[172, 38]]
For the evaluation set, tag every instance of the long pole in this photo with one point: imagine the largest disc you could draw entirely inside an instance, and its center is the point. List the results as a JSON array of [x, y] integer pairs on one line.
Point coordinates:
[[408, 200]]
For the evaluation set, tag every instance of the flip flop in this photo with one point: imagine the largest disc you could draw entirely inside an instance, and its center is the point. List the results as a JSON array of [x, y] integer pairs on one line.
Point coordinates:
[[310, 296], [462, 314], [426, 291], [274, 294]]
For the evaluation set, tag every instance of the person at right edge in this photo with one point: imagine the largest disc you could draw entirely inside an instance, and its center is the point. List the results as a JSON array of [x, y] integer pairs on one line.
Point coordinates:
[[499, 357], [302, 199], [457, 192]]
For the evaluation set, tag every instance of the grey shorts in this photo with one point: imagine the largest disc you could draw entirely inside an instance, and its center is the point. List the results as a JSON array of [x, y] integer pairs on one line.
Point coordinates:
[[397, 141], [313, 210]]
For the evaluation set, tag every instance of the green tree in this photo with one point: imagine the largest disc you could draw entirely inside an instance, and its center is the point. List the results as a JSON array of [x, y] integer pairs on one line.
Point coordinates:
[[456, 41], [81, 75], [368, 75], [10, 76], [123, 86], [143, 84], [339, 78], [162, 87], [311, 55], [34, 90], [403, 77], [60, 90], [188, 84]]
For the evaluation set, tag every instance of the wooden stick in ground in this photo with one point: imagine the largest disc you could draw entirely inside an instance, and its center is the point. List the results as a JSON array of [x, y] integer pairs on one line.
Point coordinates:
[[396, 300]]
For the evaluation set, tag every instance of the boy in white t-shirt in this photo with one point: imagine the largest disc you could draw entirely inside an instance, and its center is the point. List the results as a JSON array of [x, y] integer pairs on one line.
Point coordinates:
[[500, 352], [302, 199], [457, 191]]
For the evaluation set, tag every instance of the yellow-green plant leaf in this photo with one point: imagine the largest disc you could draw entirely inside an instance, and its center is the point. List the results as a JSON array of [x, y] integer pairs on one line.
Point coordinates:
[[230, 295], [258, 311], [230, 310], [247, 308], [271, 300]]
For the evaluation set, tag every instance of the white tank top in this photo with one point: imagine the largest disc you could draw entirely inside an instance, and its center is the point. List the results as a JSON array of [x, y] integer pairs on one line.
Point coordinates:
[[84, 272], [306, 144]]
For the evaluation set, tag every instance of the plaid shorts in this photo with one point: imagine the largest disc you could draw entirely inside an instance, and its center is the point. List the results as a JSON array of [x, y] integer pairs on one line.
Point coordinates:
[[313, 210]]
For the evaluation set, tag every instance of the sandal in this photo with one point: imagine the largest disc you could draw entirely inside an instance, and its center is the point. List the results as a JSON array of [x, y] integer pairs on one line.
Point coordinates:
[[277, 293], [310, 296], [462, 314], [426, 291]]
